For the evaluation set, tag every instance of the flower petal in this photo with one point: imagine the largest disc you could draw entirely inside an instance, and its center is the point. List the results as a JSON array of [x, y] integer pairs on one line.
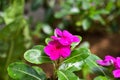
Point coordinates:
[[55, 50], [48, 49], [117, 62], [54, 37], [75, 39], [58, 32], [65, 52], [67, 34], [64, 41], [55, 55], [116, 73], [103, 63], [51, 52], [109, 58]]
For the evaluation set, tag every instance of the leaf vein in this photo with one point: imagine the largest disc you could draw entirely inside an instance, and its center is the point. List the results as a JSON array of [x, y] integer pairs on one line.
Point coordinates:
[[72, 57], [28, 74], [63, 75]]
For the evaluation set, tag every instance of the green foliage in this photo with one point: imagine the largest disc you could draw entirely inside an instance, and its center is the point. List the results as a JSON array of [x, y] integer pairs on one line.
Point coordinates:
[[15, 11], [91, 62], [76, 44], [21, 71], [101, 78], [81, 60], [78, 55], [42, 30], [86, 24], [14, 35], [78, 15], [36, 4], [91, 66], [36, 55], [85, 13], [66, 75], [47, 40], [72, 66]]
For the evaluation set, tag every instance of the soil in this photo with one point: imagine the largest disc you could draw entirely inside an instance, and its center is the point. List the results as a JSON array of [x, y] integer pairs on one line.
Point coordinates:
[[102, 45]]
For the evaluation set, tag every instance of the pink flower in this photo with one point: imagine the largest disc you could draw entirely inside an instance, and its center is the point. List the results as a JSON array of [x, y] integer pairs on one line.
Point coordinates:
[[55, 50], [116, 73], [109, 60], [117, 62], [64, 37]]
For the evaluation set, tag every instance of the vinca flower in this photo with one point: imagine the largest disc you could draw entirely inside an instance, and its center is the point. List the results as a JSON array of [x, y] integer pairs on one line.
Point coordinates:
[[56, 50], [64, 37], [117, 62], [109, 60], [60, 45], [116, 73]]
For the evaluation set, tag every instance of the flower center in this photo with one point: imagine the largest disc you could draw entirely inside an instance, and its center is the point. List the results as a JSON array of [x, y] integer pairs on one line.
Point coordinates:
[[58, 47]]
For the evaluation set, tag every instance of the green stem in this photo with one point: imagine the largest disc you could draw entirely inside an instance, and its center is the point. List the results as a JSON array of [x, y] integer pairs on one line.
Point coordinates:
[[55, 69], [9, 57], [56, 65]]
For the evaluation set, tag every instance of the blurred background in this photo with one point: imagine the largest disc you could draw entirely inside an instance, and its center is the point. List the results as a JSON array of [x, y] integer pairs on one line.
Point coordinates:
[[25, 23]]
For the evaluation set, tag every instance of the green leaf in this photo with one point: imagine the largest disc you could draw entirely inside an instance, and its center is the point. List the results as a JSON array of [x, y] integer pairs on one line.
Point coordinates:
[[62, 13], [21, 71], [37, 30], [13, 29], [78, 55], [39, 47], [101, 78], [92, 61], [39, 70], [98, 17], [84, 44], [71, 66], [78, 23], [102, 11], [36, 4], [66, 75], [110, 5], [86, 24], [85, 71], [14, 11], [51, 3], [47, 40], [74, 10], [1, 20], [27, 37], [76, 43], [118, 3], [93, 66], [47, 29], [36, 55], [85, 4]]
